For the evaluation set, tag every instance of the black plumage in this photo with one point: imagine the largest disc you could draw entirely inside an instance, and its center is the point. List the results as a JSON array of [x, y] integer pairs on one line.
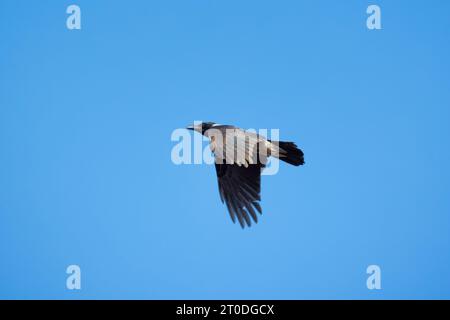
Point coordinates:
[[240, 189]]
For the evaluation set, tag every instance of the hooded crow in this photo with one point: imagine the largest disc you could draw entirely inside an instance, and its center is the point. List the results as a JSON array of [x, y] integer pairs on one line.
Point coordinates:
[[239, 158]]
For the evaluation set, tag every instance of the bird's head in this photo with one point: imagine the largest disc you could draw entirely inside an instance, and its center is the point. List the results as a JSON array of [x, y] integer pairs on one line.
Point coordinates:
[[201, 127]]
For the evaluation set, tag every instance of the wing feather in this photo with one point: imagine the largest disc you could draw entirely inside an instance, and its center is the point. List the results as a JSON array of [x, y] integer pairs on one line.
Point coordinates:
[[239, 188]]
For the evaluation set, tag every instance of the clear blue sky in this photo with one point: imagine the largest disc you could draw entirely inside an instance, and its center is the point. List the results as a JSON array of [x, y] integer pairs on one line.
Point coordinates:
[[86, 176]]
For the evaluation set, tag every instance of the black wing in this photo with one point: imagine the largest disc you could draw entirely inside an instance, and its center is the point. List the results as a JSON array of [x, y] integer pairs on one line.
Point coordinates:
[[239, 188]]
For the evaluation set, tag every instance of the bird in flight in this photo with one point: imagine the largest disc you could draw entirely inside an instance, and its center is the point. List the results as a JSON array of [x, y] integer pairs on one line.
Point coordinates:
[[239, 158]]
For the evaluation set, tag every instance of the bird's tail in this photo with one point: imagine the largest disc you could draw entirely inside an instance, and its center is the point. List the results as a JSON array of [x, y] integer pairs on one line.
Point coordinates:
[[290, 153]]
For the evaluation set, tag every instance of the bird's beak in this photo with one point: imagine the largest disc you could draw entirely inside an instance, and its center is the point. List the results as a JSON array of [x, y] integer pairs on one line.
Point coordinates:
[[190, 127]]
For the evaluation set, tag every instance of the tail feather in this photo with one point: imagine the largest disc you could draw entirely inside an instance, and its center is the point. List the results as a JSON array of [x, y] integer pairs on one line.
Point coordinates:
[[290, 153]]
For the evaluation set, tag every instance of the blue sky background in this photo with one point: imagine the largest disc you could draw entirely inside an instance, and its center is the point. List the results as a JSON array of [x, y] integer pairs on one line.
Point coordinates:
[[86, 176]]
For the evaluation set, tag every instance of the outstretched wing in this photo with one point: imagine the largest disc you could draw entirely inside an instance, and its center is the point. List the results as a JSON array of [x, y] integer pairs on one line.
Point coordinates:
[[240, 188]]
